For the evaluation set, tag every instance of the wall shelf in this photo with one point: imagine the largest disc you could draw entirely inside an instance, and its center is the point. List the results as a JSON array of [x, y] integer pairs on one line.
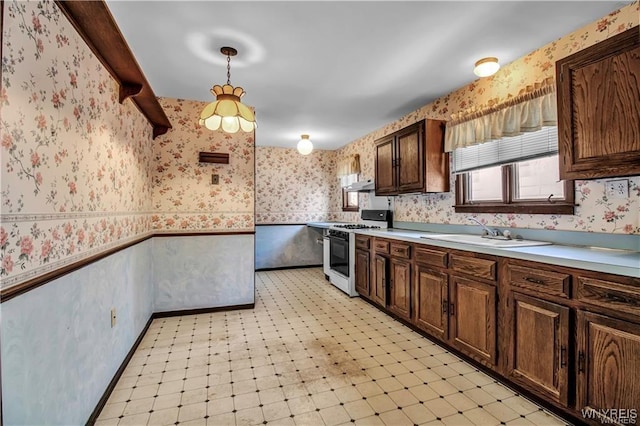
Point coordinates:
[[97, 27]]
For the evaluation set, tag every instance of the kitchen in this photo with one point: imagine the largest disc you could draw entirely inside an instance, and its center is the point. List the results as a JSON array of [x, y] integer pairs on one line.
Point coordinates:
[[59, 349]]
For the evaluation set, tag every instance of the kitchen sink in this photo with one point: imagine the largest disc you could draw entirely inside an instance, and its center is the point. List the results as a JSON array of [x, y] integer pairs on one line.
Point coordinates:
[[483, 241]]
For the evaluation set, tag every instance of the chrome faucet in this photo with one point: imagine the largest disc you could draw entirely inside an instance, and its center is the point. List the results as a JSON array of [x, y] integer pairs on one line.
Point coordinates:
[[491, 233]]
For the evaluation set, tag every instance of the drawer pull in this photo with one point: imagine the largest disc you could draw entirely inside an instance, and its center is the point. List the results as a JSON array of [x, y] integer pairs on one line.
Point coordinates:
[[563, 356], [534, 280], [397, 250], [580, 362]]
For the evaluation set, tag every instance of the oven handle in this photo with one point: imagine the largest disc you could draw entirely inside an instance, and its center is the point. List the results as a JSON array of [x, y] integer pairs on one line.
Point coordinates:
[[333, 237]]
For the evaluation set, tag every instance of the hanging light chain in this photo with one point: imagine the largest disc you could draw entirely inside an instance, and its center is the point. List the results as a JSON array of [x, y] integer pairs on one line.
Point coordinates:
[[228, 69]]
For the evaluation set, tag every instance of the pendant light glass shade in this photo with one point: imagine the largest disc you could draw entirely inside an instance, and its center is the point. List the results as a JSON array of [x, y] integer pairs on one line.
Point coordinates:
[[304, 145], [486, 67], [227, 112]]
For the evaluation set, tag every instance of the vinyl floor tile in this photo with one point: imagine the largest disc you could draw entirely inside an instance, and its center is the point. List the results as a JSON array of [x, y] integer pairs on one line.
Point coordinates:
[[305, 355]]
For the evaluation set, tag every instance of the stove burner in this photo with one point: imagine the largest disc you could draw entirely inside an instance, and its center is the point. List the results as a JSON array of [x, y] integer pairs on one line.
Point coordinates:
[[357, 226]]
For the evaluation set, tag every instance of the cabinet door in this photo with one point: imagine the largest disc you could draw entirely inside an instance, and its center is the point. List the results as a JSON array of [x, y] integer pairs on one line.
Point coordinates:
[[539, 345], [432, 301], [400, 288], [362, 272], [385, 180], [410, 158], [608, 363], [599, 109], [379, 289], [472, 310]]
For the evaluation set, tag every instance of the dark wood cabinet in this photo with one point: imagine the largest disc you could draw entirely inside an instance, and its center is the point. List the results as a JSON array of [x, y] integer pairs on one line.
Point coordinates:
[[568, 336], [599, 109], [539, 346], [412, 160], [379, 288], [385, 167], [472, 311], [608, 362], [400, 288], [431, 295], [362, 272]]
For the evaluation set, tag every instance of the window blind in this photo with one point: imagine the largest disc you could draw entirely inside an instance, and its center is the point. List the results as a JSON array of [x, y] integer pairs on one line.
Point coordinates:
[[537, 144]]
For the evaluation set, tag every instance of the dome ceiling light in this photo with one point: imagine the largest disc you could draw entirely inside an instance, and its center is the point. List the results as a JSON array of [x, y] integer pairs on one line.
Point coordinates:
[[486, 67], [304, 145]]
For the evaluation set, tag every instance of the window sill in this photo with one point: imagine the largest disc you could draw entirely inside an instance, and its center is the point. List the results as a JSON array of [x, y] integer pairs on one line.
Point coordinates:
[[350, 209], [521, 208]]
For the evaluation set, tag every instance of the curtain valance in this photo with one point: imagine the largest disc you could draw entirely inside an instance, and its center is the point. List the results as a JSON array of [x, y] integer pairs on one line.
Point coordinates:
[[533, 108], [349, 165]]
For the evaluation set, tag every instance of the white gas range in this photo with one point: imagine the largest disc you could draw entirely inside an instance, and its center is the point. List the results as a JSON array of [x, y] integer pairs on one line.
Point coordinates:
[[340, 248]]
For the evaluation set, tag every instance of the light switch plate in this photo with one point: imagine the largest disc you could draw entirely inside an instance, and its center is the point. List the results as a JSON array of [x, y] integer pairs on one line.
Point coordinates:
[[618, 188], [113, 317], [215, 179]]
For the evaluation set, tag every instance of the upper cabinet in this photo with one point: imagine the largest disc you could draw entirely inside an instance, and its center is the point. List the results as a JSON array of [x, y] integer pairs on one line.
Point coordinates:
[[412, 160], [599, 109]]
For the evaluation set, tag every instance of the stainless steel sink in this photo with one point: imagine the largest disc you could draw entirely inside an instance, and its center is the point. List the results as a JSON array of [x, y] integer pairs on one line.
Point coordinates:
[[483, 241]]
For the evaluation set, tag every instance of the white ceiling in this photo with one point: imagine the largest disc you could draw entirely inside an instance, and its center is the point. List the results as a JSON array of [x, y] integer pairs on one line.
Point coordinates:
[[335, 70]]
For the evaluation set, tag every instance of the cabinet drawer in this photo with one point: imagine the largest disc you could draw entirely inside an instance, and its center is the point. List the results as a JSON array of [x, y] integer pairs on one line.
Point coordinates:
[[479, 268], [362, 242], [432, 257], [381, 246], [402, 250], [540, 280], [608, 294]]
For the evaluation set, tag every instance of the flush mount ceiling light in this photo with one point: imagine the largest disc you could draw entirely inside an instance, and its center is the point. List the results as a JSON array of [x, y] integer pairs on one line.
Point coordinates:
[[486, 67], [227, 112], [304, 145]]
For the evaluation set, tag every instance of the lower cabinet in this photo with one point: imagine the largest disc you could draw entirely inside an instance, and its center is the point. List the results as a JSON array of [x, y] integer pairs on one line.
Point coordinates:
[[608, 363], [432, 301], [539, 345], [568, 336], [400, 288], [472, 308], [363, 276], [379, 288]]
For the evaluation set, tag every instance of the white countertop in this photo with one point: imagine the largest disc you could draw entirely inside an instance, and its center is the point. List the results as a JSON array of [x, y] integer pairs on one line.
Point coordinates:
[[620, 262], [323, 225]]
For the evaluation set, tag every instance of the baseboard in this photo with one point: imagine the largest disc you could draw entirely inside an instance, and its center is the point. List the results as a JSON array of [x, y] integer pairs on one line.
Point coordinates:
[[114, 381], [279, 268], [166, 314]]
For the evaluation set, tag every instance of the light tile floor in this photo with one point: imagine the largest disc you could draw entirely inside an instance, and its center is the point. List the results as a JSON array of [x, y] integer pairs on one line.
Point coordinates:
[[306, 355]]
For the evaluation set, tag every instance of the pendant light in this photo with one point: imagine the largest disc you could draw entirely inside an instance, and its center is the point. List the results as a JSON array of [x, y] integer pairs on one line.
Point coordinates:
[[227, 112], [304, 145], [486, 67]]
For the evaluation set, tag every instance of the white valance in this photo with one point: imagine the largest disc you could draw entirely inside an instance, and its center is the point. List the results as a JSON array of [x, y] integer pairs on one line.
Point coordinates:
[[533, 108]]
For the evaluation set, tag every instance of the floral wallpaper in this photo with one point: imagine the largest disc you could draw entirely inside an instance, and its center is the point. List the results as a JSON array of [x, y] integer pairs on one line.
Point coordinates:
[[596, 212], [184, 199], [294, 188], [76, 165]]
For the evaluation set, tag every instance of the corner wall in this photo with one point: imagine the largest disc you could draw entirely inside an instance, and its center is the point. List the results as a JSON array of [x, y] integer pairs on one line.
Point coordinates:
[[213, 265]]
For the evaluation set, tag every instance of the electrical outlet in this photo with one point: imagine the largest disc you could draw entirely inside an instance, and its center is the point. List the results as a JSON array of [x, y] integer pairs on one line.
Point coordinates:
[[215, 179], [113, 317], [618, 188]]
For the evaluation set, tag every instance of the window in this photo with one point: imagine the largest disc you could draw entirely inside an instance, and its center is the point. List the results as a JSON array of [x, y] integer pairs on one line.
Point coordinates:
[[349, 201], [513, 175]]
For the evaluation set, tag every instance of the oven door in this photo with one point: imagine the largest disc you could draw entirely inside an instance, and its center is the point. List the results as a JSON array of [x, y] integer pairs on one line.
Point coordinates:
[[339, 255]]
